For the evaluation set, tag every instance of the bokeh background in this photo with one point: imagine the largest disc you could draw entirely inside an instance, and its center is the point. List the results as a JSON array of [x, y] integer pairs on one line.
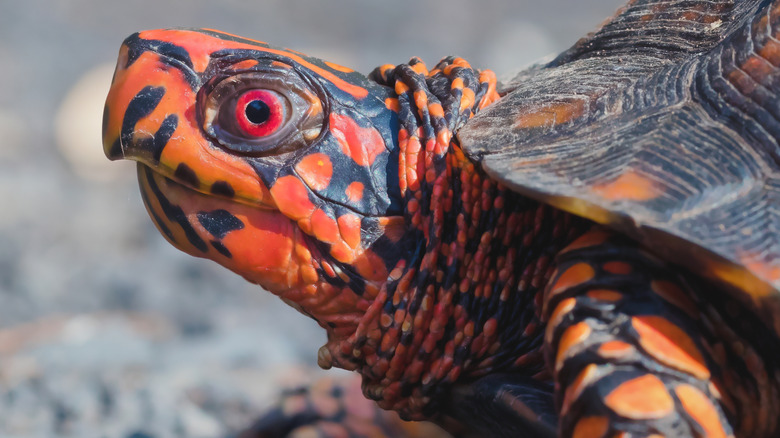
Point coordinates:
[[106, 330]]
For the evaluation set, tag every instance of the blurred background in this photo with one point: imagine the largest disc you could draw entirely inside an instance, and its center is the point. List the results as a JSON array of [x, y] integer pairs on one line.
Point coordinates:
[[105, 329]]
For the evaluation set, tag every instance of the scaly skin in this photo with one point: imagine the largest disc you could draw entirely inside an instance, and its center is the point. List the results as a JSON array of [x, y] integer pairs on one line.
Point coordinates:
[[351, 200]]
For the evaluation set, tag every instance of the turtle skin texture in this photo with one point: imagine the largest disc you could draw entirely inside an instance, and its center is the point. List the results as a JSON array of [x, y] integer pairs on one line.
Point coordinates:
[[587, 250]]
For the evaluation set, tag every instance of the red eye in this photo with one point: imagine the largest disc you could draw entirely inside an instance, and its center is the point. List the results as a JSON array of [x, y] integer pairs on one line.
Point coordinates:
[[259, 112]]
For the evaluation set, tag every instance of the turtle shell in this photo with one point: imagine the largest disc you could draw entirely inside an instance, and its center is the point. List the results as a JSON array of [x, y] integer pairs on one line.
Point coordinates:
[[663, 124]]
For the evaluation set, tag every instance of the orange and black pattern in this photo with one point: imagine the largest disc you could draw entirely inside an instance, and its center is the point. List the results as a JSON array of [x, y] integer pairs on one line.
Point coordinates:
[[455, 297]]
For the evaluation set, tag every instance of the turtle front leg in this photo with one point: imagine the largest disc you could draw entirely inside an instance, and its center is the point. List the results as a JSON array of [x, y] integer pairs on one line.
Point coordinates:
[[626, 346]]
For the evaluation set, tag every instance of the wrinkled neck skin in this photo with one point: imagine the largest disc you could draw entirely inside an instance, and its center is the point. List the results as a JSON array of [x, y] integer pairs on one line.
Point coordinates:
[[463, 297]]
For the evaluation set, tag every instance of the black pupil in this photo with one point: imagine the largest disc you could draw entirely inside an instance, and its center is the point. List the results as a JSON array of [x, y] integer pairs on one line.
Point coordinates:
[[258, 112]]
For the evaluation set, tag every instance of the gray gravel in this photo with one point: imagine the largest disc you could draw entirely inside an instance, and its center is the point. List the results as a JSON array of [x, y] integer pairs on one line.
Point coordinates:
[[106, 330]]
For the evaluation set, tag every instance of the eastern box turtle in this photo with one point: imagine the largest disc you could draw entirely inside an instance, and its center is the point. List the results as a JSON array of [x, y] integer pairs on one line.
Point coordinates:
[[595, 254]]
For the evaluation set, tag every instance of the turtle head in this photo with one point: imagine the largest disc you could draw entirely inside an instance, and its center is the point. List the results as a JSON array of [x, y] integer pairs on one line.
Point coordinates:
[[279, 166]]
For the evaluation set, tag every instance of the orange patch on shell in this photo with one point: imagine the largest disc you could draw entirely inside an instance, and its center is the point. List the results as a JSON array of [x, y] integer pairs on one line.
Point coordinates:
[[363, 145], [670, 345], [551, 114], [701, 409], [573, 276], [642, 398], [354, 192], [571, 337], [630, 186], [292, 197], [591, 427], [316, 170]]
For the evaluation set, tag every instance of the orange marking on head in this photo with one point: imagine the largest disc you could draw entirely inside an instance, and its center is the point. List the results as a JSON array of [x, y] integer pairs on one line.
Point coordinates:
[[615, 349], [670, 345], [316, 170], [245, 64], [548, 115], [642, 398], [324, 227], [571, 337], [349, 227], [574, 390], [701, 409], [673, 294], [630, 186], [604, 295], [617, 267], [337, 67], [354, 192], [200, 47], [292, 197], [573, 276], [280, 65], [363, 145], [591, 427], [591, 238]]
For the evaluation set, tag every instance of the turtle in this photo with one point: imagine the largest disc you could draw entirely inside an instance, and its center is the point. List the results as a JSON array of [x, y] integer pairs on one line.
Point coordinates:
[[588, 249]]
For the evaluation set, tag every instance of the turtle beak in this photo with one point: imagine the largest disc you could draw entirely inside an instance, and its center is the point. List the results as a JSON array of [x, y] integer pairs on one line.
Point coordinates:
[[153, 82]]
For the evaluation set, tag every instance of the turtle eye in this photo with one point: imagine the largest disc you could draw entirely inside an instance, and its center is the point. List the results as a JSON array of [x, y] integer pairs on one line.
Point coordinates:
[[260, 113]]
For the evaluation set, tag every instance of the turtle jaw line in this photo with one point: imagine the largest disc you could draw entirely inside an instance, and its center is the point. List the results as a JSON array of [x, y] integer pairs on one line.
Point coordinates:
[[171, 178]]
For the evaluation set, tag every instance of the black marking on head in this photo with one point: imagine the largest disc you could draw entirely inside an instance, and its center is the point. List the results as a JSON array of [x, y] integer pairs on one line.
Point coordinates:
[[164, 134], [170, 54], [116, 150], [156, 219], [175, 213], [185, 174], [219, 222], [222, 249], [104, 125], [223, 188], [141, 106]]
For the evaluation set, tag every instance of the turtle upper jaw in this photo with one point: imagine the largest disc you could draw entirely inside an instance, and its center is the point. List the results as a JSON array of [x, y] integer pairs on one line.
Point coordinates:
[[151, 117]]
